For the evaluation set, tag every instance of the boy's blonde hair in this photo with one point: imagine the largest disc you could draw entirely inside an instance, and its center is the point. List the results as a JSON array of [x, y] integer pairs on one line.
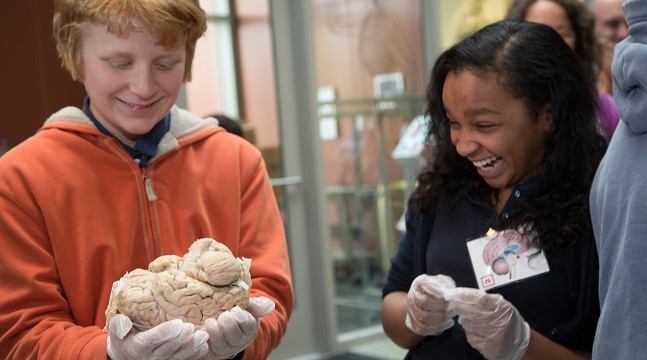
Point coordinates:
[[169, 19]]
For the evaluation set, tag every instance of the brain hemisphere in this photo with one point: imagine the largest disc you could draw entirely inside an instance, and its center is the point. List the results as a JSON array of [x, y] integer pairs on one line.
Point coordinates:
[[508, 240], [207, 281], [217, 268]]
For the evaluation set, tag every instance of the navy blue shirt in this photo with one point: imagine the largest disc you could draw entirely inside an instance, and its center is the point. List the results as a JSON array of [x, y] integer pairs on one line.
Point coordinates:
[[562, 304], [146, 145]]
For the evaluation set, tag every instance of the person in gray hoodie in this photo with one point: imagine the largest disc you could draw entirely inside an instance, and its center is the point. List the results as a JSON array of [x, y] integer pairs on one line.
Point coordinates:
[[619, 202]]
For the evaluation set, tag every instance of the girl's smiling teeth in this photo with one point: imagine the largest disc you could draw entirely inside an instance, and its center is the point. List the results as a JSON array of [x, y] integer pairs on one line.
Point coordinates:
[[486, 163]]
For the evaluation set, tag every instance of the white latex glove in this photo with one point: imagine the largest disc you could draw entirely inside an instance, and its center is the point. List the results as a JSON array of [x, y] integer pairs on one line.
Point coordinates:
[[427, 311], [169, 340], [493, 325], [235, 329]]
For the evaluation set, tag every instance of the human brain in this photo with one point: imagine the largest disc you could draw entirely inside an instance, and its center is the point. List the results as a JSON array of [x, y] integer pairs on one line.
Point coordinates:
[[202, 284]]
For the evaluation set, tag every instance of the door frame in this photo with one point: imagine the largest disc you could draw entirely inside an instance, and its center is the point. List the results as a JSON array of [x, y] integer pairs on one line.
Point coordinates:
[[312, 327]]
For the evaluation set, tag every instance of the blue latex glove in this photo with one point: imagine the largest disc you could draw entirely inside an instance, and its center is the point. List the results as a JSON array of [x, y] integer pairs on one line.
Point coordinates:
[[234, 330], [493, 325], [169, 340]]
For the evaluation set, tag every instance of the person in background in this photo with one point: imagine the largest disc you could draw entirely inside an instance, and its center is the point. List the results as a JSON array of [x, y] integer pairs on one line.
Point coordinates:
[[610, 28], [102, 190], [228, 124], [619, 202], [574, 22], [512, 115]]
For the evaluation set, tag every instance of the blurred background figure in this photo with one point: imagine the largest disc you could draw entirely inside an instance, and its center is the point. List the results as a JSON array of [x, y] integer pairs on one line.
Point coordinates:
[[575, 24], [229, 124], [610, 28], [246, 131]]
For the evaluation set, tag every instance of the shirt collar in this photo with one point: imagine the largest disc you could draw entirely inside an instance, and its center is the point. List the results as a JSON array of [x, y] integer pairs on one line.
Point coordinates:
[[520, 193], [146, 145]]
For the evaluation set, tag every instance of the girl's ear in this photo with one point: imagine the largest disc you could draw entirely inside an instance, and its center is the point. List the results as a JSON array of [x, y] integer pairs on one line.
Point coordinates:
[[546, 117]]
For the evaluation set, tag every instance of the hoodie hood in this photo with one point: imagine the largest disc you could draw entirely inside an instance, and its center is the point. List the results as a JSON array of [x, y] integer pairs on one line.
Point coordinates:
[[183, 124], [628, 68]]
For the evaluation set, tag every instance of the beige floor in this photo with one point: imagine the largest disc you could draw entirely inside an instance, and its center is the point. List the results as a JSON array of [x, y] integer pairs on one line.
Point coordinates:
[[382, 349]]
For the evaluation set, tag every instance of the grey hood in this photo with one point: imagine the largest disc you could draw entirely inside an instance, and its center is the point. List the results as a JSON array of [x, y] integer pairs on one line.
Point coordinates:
[[183, 123]]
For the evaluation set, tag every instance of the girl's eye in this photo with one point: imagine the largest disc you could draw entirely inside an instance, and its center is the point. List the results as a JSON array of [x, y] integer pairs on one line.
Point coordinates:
[[484, 126]]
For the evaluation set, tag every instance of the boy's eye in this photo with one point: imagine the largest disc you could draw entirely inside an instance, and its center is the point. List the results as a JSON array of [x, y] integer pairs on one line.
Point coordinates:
[[165, 66], [119, 64]]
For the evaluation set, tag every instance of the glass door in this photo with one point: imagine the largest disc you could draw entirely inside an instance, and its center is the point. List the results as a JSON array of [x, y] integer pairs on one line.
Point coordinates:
[[342, 116], [370, 81], [337, 138]]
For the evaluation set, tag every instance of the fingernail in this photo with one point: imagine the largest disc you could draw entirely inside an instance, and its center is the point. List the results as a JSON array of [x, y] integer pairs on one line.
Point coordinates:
[[200, 339], [187, 330]]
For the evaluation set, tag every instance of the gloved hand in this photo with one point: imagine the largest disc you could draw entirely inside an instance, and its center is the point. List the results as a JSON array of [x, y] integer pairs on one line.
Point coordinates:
[[235, 329], [169, 340], [427, 312], [493, 325]]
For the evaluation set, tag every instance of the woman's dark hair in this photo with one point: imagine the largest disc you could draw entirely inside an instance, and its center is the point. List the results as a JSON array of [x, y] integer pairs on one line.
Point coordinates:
[[535, 65], [581, 20]]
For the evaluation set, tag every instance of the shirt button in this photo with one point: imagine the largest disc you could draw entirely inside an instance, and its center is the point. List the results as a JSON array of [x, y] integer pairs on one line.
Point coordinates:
[[517, 193], [555, 331], [504, 215]]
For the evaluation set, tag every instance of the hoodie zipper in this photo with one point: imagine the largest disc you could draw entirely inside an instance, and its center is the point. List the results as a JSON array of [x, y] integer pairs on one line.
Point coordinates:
[[151, 217], [150, 193]]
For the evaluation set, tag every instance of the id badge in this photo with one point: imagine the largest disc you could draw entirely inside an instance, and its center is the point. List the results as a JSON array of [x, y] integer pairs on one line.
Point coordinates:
[[506, 257]]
